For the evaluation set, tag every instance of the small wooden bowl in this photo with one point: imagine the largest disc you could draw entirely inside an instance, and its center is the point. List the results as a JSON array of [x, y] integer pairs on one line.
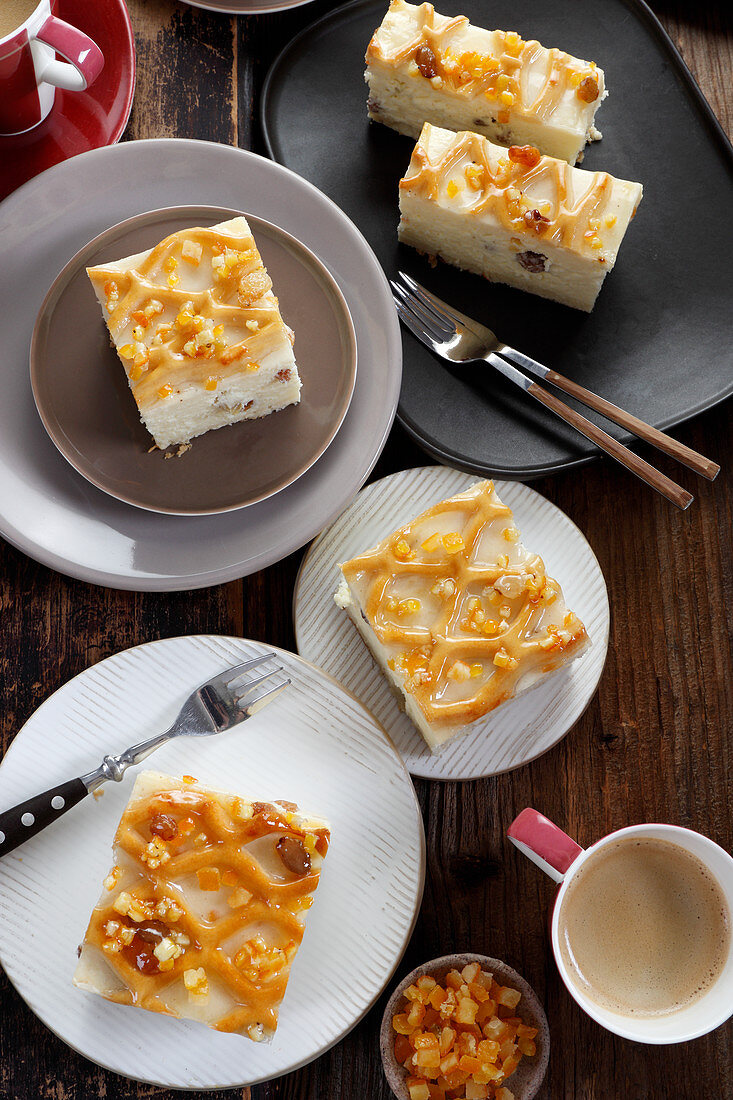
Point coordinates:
[[529, 1075]]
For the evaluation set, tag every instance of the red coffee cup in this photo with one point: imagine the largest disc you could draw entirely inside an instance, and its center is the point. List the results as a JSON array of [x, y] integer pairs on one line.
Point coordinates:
[[30, 73]]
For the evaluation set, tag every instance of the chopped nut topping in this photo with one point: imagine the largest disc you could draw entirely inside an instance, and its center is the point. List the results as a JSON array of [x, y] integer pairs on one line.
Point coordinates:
[[459, 671], [155, 853], [191, 251], [197, 983]]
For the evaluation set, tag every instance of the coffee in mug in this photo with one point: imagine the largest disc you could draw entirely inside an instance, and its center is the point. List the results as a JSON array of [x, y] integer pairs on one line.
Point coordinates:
[[644, 927], [31, 35], [13, 13]]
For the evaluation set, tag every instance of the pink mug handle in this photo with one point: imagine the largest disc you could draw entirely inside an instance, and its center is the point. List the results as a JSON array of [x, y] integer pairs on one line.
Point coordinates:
[[552, 850], [85, 58]]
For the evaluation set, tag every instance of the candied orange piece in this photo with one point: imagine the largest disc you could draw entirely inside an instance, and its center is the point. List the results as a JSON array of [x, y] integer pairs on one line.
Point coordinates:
[[209, 878], [402, 1048], [453, 980], [447, 1038], [400, 1024]]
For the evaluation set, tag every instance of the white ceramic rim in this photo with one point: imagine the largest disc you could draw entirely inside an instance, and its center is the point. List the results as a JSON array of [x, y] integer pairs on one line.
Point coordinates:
[[597, 1014], [386, 977], [333, 481]]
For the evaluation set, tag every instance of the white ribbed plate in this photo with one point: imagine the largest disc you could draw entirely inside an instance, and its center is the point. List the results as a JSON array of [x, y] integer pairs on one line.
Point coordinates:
[[519, 730], [315, 745]]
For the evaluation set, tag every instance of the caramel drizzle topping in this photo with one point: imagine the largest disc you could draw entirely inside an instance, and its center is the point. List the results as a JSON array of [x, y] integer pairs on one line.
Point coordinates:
[[565, 223], [513, 64], [273, 902], [230, 302], [441, 644]]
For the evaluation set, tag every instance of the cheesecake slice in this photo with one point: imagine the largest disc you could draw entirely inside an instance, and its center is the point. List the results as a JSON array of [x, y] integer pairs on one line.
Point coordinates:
[[425, 67], [458, 615], [203, 911], [514, 216], [199, 332]]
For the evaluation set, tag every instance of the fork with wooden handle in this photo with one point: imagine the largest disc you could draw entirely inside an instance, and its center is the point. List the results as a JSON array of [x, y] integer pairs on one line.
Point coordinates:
[[221, 703], [460, 339]]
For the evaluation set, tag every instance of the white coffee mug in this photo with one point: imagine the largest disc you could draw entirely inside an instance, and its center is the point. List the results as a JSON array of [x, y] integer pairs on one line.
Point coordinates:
[[561, 858]]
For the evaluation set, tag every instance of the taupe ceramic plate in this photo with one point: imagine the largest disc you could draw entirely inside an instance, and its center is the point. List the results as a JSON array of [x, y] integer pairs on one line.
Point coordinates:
[[526, 1080], [84, 401]]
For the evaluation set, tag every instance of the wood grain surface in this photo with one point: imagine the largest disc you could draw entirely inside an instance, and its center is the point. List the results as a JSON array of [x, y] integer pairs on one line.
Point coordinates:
[[653, 746]]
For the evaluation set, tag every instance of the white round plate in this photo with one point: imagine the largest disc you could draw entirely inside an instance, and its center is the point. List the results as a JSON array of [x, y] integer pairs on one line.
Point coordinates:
[[46, 508], [316, 745], [516, 732]]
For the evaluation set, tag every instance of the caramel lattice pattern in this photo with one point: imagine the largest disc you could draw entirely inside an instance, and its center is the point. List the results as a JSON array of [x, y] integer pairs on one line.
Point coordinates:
[[430, 655], [279, 904], [243, 294]]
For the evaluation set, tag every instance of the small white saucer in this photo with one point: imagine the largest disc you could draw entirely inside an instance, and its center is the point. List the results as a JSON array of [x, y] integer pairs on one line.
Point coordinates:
[[520, 730]]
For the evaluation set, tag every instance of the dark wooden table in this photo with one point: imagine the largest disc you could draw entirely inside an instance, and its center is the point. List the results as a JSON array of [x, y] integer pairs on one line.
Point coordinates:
[[653, 745]]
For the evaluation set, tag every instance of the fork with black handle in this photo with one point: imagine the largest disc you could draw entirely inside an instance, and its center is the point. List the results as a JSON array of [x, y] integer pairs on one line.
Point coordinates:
[[217, 705], [460, 339]]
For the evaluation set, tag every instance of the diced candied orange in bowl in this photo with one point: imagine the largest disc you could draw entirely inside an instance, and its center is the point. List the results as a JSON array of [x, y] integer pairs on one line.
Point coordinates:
[[459, 1038]]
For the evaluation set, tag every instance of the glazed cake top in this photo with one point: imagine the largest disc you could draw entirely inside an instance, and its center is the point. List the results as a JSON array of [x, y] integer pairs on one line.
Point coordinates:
[[536, 198], [463, 609], [499, 67], [195, 309], [204, 910]]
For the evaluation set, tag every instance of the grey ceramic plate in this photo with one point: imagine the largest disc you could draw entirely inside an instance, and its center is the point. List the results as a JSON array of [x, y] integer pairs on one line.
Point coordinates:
[[84, 401], [57, 517], [245, 7], [657, 342]]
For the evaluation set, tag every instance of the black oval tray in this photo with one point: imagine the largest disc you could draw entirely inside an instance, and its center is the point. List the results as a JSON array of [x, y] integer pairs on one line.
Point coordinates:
[[659, 339]]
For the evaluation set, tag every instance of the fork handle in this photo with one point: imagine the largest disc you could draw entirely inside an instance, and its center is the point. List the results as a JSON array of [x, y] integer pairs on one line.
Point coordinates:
[[634, 463], [692, 459], [26, 819]]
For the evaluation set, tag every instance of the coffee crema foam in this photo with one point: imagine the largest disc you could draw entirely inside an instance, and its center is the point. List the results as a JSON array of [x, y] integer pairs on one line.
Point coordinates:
[[644, 928], [13, 13]]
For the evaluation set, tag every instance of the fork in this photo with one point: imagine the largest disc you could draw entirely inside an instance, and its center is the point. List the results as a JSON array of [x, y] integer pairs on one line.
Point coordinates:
[[460, 339], [212, 708]]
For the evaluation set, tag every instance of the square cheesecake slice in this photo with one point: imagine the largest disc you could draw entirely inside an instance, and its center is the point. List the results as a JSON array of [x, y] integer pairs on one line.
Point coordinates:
[[199, 332], [203, 911], [515, 216], [425, 67], [458, 615]]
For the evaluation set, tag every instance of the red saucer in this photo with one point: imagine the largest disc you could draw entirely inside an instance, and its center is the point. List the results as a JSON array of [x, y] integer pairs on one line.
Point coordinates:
[[79, 121]]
